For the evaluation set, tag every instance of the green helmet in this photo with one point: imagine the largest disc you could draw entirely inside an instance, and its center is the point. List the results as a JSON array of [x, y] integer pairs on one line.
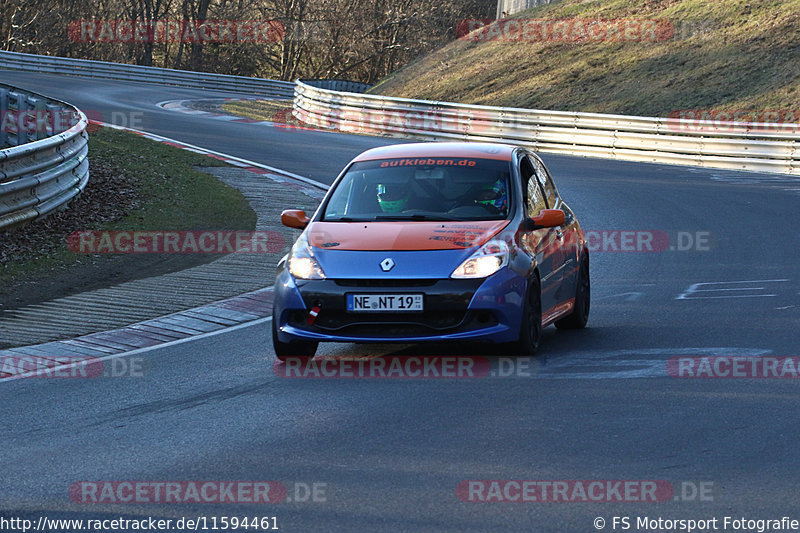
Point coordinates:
[[493, 195], [392, 197]]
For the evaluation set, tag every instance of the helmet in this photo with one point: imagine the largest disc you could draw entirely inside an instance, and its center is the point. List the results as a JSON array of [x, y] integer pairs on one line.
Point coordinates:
[[493, 195], [392, 197]]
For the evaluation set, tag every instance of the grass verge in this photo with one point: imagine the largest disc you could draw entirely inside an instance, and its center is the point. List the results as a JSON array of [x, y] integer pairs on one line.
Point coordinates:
[[135, 184], [279, 111], [721, 55]]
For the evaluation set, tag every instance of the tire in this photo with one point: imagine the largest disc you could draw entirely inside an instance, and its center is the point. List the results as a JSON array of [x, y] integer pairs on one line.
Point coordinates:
[[583, 299], [530, 329], [303, 350]]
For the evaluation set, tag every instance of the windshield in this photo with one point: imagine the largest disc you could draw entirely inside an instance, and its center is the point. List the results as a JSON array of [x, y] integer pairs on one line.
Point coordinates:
[[422, 189]]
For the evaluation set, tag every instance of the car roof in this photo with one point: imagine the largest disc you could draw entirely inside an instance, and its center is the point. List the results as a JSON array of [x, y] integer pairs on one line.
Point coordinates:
[[502, 152]]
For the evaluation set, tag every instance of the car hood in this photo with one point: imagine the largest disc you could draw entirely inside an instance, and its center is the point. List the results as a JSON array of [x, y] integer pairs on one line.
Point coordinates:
[[402, 236], [388, 265]]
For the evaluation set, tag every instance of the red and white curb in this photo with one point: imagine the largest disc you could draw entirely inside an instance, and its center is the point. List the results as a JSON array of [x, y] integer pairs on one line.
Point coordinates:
[[181, 107], [218, 317], [215, 318], [316, 189]]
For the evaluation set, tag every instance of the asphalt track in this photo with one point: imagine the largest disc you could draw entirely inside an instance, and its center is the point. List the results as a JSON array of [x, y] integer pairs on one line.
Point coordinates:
[[595, 405]]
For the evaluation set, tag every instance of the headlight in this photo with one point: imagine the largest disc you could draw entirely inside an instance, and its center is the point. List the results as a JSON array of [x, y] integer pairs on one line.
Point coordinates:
[[302, 263], [489, 258]]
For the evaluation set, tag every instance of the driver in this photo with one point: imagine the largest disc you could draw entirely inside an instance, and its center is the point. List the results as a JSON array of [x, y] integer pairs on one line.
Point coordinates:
[[392, 197], [493, 196]]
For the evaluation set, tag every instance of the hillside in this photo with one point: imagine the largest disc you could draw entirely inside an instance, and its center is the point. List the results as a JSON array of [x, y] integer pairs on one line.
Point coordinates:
[[722, 55]]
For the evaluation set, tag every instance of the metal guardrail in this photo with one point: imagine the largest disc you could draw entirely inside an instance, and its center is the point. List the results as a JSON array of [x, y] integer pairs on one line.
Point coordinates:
[[339, 85], [738, 146], [45, 164], [138, 73]]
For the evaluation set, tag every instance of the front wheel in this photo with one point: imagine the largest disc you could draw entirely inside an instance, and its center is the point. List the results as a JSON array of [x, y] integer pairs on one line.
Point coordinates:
[[583, 298], [530, 330], [303, 350]]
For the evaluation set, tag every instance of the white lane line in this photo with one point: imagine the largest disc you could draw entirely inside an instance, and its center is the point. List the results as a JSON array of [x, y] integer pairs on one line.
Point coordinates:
[[646, 363], [226, 157], [170, 104], [694, 289], [629, 296], [68, 366], [737, 296], [746, 281], [735, 289]]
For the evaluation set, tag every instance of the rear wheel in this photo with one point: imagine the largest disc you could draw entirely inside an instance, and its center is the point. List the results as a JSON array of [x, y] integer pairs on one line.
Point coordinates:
[[303, 350], [530, 330], [580, 315]]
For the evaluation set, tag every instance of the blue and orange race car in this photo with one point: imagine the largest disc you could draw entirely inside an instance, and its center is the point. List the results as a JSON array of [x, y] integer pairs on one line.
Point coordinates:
[[433, 242]]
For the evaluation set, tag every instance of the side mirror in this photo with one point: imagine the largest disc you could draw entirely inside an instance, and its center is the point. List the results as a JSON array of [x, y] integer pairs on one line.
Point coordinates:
[[294, 218], [547, 218]]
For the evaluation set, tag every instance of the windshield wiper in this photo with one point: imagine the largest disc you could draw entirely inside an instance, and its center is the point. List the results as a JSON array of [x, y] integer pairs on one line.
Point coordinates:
[[415, 216], [346, 219]]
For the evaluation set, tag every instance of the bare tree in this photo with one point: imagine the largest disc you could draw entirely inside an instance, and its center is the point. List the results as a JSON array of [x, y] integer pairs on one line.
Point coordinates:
[[362, 40], [146, 12]]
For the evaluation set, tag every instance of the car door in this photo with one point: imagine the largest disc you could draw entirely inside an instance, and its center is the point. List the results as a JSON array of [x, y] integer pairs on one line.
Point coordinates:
[[566, 259], [543, 244]]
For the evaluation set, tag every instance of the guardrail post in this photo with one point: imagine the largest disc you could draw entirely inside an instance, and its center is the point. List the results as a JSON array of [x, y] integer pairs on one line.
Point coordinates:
[[39, 120], [56, 120], [3, 117], [17, 105]]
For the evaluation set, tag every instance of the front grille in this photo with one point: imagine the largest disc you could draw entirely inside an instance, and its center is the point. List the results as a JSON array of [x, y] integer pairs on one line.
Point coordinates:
[[395, 324], [446, 308], [387, 330], [434, 320]]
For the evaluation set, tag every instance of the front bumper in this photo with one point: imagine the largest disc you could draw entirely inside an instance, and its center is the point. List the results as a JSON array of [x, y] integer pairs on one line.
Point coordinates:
[[454, 310]]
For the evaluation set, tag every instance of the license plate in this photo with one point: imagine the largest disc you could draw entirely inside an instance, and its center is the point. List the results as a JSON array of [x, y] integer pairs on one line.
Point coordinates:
[[384, 302]]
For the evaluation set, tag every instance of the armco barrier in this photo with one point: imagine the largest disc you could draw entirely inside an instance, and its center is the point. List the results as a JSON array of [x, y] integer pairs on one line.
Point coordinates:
[[738, 146], [340, 85], [163, 76], [44, 166]]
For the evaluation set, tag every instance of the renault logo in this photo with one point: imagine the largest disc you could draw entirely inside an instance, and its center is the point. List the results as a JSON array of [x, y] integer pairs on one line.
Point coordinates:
[[387, 264]]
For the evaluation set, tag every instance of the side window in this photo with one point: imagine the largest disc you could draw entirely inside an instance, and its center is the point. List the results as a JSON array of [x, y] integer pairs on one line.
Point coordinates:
[[533, 191], [547, 183]]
